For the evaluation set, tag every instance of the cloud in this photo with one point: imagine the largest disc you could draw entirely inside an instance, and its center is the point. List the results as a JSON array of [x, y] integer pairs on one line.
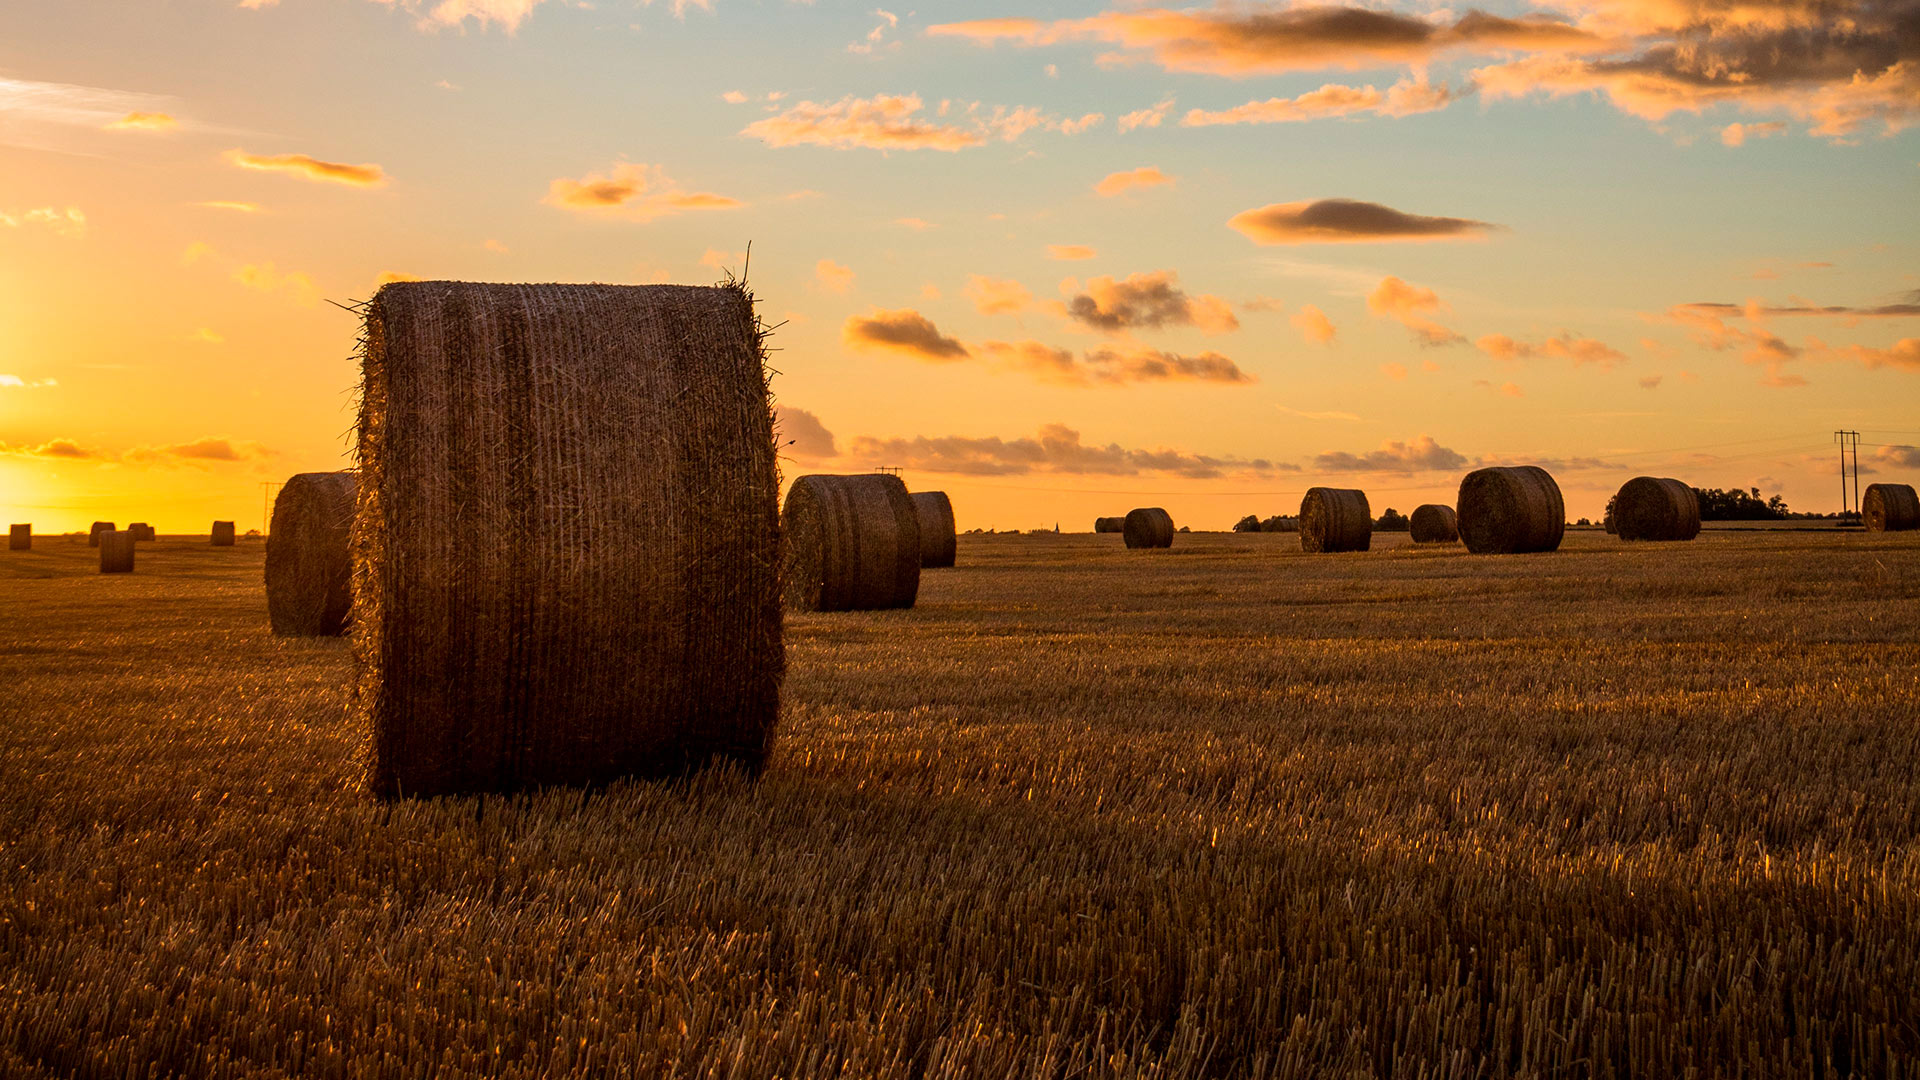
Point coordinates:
[[1337, 221], [265, 277], [832, 276], [16, 382], [1152, 116], [631, 191], [1404, 98], [996, 296], [1650, 382], [802, 435], [1070, 252], [1113, 364], [1421, 455], [1148, 301], [1409, 305], [1146, 176], [440, 14], [904, 331], [1756, 311], [200, 450], [734, 97], [914, 223], [64, 116], [144, 121], [1707, 324], [1565, 346], [1738, 134], [227, 204], [1901, 456], [1903, 354], [64, 449], [1056, 449], [891, 122], [911, 334], [1305, 415], [310, 168], [1313, 325], [70, 222]]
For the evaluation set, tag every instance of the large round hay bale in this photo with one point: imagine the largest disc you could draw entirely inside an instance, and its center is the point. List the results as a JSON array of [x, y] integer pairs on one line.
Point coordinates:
[[1110, 524], [1148, 527], [222, 534], [141, 531], [1335, 519], [566, 549], [1656, 508], [20, 538], [93, 534], [309, 569], [1433, 523], [1890, 508], [937, 541], [1510, 509], [852, 543], [116, 551]]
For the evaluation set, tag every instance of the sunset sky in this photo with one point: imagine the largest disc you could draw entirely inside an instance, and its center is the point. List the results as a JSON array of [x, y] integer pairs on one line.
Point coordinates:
[[1058, 261]]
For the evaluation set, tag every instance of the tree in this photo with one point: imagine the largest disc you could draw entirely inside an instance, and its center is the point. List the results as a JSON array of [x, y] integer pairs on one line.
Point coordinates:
[[1250, 523], [1392, 521]]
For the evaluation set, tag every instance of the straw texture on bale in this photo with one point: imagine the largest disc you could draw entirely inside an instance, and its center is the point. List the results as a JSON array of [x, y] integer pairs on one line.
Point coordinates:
[[853, 543], [309, 567], [1110, 525], [566, 548], [1508, 510], [1890, 508], [1656, 508], [141, 530], [1433, 523], [93, 534], [1335, 519], [116, 551], [20, 538], [1148, 527], [222, 534], [937, 540]]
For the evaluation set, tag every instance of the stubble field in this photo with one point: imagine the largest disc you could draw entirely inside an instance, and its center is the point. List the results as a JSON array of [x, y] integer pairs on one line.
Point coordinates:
[[1226, 810]]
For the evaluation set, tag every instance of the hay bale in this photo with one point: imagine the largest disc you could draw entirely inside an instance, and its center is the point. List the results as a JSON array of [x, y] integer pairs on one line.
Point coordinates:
[[1335, 519], [141, 531], [1148, 527], [1656, 508], [936, 528], [20, 538], [309, 569], [116, 551], [853, 543], [1890, 508], [1109, 524], [566, 549], [1509, 510], [1433, 523], [222, 534], [93, 534]]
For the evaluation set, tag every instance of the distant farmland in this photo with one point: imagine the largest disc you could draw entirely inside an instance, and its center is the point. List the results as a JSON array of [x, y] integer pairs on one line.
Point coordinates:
[[1224, 810]]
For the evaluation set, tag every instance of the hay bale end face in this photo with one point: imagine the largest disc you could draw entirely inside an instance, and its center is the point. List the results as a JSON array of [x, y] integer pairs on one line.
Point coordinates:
[[1656, 508], [93, 534], [937, 540], [853, 543], [1110, 524], [1335, 519], [567, 539], [1510, 510], [222, 534], [1433, 523], [1890, 508], [116, 551], [1148, 527], [309, 570], [20, 538]]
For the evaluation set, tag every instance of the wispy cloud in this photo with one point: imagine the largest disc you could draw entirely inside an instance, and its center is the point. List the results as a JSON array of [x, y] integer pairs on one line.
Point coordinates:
[[68, 222], [1410, 305], [1146, 176], [62, 116], [310, 168], [1056, 449], [909, 334], [895, 122], [1564, 346], [144, 121], [1404, 98], [631, 191], [1070, 252]]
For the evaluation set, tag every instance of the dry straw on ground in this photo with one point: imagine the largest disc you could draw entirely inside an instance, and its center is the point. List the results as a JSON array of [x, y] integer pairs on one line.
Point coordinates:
[[1890, 508], [1433, 523], [1335, 519], [1656, 508], [1148, 527], [222, 534], [567, 544], [1110, 524], [1511, 509], [309, 570], [20, 538], [937, 540], [141, 531], [852, 543], [116, 551], [93, 534]]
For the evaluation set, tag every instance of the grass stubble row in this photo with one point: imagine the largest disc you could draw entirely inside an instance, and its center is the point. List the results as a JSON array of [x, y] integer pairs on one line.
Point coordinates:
[[1250, 813]]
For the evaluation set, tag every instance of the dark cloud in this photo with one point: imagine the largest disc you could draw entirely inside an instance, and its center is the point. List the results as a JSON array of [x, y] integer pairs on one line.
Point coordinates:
[[1147, 300], [912, 334], [1421, 455], [1335, 221], [1056, 449], [905, 331], [802, 435], [53, 448]]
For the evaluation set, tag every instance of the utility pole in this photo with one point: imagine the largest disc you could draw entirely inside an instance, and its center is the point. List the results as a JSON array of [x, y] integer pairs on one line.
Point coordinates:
[[1849, 444]]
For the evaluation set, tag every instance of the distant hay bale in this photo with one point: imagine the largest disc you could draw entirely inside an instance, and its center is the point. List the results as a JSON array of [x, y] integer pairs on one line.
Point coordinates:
[[1109, 524], [1656, 508], [93, 534], [566, 548], [1433, 523], [853, 543], [309, 569], [1148, 527], [116, 551], [141, 531], [1890, 508], [1335, 519], [222, 534], [936, 528], [20, 538], [1508, 510]]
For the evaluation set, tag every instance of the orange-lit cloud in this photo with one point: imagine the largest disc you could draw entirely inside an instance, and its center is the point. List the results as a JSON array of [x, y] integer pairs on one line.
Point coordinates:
[[911, 334], [904, 331], [1070, 252], [144, 121], [65, 449], [892, 122], [802, 435], [1907, 457], [1146, 176], [996, 296], [1313, 325], [1410, 305], [1150, 117], [310, 168], [832, 276], [266, 278], [631, 191], [1346, 221], [1421, 455], [1055, 449], [1738, 134], [1116, 364], [199, 451], [70, 222], [233, 205], [439, 14], [1564, 346], [1404, 98], [1148, 301]]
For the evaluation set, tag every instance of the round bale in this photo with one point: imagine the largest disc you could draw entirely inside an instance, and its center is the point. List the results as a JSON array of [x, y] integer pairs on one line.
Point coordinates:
[[853, 543], [222, 534], [1508, 510], [141, 531], [1890, 508], [937, 541], [20, 538], [116, 551], [1433, 523], [1656, 508], [1148, 527], [1335, 519], [309, 569], [1109, 524], [93, 534]]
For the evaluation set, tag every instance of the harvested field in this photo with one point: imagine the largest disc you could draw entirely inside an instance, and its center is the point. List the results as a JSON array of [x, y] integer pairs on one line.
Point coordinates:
[[1234, 811]]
